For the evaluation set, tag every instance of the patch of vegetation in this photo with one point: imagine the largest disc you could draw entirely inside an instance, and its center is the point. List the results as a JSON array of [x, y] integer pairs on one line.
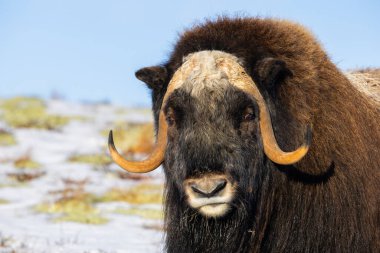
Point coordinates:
[[74, 210], [133, 138], [15, 184], [3, 201], [26, 162], [132, 176], [27, 112], [94, 159], [6, 138], [80, 118], [74, 204], [142, 212], [139, 194], [25, 176]]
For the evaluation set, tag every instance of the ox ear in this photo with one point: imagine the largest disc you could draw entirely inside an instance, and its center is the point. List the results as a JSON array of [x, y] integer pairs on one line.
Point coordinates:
[[154, 76], [271, 72]]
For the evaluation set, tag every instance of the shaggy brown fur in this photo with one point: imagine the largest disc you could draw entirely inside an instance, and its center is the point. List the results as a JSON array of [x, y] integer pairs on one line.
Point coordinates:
[[329, 201]]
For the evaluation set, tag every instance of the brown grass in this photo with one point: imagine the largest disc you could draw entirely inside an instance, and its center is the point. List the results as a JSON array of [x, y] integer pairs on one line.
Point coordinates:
[[25, 176]]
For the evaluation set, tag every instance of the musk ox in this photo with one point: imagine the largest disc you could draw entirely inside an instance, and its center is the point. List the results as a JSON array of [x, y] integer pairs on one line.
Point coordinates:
[[266, 146]]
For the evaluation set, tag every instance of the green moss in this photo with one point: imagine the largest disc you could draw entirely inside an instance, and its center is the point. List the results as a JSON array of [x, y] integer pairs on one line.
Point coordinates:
[[26, 112], [6, 138], [139, 194], [142, 212], [94, 159]]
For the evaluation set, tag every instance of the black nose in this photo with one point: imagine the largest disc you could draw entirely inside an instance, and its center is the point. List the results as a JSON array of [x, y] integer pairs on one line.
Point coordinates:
[[210, 188]]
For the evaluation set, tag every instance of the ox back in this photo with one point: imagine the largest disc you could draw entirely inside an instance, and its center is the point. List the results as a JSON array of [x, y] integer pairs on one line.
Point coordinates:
[[327, 202]]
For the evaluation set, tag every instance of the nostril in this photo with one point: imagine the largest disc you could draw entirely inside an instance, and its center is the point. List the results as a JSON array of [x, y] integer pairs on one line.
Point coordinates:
[[207, 191], [220, 186], [197, 190]]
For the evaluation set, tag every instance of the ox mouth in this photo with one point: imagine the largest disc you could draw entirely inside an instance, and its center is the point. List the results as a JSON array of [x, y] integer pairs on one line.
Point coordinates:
[[214, 210], [202, 202], [213, 204], [210, 194]]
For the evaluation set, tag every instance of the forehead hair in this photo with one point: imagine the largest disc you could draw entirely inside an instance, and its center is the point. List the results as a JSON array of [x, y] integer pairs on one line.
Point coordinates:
[[204, 79]]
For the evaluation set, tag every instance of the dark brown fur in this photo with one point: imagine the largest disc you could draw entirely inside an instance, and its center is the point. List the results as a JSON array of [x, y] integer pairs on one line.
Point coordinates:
[[329, 201]]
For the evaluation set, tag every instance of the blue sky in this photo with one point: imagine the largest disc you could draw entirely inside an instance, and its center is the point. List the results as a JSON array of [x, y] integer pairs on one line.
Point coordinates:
[[89, 50]]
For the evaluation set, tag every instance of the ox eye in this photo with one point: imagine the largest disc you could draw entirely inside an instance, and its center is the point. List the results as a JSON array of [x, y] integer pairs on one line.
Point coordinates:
[[249, 114], [170, 119]]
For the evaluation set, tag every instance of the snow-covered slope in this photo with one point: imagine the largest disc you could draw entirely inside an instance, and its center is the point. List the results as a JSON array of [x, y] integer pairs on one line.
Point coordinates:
[[57, 187]]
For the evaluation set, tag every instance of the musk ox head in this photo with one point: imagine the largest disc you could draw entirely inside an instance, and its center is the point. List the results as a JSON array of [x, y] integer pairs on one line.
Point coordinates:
[[214, 133]]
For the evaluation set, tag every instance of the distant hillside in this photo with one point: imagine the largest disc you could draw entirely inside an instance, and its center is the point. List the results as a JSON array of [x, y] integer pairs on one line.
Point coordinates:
[[367, 81]]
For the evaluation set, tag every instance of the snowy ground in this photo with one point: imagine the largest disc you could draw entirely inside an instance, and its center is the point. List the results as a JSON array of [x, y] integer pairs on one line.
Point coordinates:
[[23, 229]]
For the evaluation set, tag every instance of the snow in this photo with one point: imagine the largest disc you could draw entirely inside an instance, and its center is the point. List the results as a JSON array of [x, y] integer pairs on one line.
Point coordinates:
[[23, 229]]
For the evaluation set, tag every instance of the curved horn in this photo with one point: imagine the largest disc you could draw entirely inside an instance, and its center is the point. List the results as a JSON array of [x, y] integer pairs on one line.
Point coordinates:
[[239, 78], [152, 162], [157, 156]]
